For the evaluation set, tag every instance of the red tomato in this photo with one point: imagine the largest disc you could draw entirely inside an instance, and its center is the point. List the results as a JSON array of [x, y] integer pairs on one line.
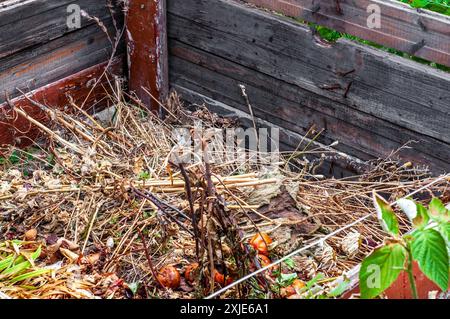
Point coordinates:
[[261, 242], [169, 277], [190, 272], [293, 289], [264, 260], [220, 279]]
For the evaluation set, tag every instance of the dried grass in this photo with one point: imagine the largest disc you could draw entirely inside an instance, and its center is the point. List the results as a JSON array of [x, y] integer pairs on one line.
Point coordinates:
[[91, 188]]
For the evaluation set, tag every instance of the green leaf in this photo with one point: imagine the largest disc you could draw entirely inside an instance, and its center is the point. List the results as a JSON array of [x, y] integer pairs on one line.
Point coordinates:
[[19, 265], [438, 212], [386, 215], [430, 251], [444, 229], [290, 263], [6, 263], [134, 286], [30, 275], [286, 279], [314, 281], [380, 269], [17, 268], [340, 289], [419, 3], [422, 217], [37, 253]]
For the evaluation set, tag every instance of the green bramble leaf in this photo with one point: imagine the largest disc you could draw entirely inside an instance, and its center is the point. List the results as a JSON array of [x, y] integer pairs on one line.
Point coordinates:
[[438, 212], [430, 251], [380, 269], [386, 215], [444, 229]]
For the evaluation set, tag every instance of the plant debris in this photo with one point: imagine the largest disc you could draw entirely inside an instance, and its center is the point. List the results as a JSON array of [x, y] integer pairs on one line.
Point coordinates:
[[98, 209]]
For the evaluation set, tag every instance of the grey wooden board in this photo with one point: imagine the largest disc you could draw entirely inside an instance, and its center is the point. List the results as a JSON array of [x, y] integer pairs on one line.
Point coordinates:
[[284, 107], [42, 65], [316, 108], [37, 47], [401, 26], [397, 90], [40, 21]]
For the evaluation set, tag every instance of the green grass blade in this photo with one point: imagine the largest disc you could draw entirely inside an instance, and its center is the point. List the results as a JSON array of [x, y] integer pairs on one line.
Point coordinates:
[[30, 275]]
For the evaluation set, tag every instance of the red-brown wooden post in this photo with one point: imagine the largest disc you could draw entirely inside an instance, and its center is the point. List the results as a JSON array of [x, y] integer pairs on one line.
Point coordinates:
[[147, 51]]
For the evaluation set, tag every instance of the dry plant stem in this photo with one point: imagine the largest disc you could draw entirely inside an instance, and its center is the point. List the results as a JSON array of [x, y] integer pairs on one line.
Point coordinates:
[[48, 131], [115, 46], [97, 126], [91, 224], [60, 117], [165, 208], [149, 259], [191, 206]]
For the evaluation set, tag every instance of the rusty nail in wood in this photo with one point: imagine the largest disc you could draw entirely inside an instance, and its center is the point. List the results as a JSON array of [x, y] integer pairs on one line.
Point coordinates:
[[417, 46], [344, 74], [315, 8], [338, 7], [347, 90], [422, 25]]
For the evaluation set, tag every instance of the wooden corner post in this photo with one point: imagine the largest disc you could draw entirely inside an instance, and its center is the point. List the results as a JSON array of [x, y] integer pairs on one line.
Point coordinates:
[[147, 51]]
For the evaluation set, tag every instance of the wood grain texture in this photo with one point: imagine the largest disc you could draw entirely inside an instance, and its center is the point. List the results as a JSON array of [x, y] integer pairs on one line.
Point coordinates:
[[17, 131], [147, 50], [359, 134], [401, 28], [39, 49], [220, 44], [40, 54], [41, 21]]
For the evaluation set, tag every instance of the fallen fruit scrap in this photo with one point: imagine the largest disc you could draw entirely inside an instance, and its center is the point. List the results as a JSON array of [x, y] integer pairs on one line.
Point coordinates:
[[95, 208]]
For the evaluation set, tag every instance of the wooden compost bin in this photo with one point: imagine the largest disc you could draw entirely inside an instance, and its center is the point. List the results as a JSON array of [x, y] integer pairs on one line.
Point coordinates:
[[371, 101]]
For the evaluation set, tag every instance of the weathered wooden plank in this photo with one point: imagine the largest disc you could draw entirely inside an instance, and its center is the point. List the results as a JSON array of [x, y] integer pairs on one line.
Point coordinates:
[[147, 50], [401, 27], [31, 69], [360, 135], [17, 130], [285, 100], [397, 90], [39, 21]]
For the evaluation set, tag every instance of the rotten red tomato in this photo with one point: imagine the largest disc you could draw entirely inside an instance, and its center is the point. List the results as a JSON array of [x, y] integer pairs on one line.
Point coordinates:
[[169, 277], [261, 242], [190, 272]]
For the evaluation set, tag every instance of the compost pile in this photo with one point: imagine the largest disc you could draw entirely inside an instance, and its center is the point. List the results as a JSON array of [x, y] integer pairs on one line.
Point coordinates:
[[96, 208]]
